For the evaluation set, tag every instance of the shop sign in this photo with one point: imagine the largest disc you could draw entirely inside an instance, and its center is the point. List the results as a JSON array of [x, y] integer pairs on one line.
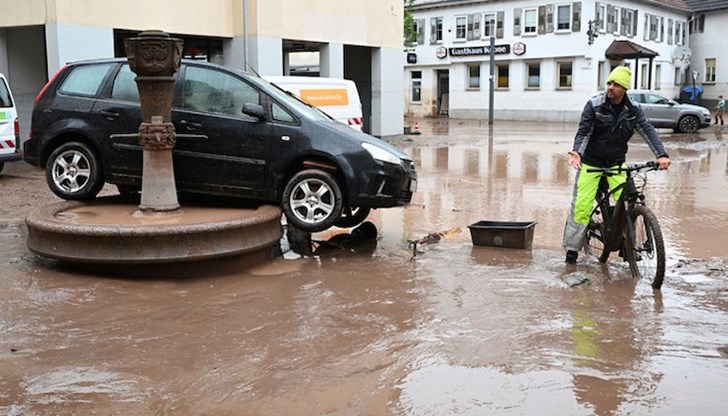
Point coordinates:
[[411, 58], [441, 52], [480, 50], [519, 48]]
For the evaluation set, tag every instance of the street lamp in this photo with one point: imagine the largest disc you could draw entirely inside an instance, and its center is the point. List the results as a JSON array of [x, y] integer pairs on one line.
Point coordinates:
[[592, 30]]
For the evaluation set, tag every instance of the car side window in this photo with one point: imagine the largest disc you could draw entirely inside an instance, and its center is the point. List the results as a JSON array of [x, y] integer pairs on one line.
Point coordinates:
[[655, 99], [212, 91], [279, 114], [85, 80], [125, 87], [5, 100]]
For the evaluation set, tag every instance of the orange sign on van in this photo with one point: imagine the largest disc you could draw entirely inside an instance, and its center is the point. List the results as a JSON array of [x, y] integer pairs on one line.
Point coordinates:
[[325, 97]]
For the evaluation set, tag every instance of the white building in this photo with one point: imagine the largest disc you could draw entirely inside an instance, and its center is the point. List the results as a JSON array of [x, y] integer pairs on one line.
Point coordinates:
[[361, 41], [708, 30], [546, 64]]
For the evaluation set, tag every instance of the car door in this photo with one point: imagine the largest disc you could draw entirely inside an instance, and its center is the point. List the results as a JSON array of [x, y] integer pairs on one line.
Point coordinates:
[[234, 156], [659, 110], [118, 112]]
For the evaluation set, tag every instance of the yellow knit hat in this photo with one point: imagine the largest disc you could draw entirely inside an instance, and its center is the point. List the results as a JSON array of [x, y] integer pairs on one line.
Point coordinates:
[[622, 76]]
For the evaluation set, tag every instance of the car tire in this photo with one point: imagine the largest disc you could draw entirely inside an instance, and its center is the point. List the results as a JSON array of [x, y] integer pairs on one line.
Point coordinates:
[[73, 172], [312, 200], [2, 165], [352, 216], [689, 124]]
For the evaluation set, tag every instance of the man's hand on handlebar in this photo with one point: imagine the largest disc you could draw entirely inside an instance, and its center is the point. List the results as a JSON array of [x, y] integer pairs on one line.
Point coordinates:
[[575, 160], [663, 162]]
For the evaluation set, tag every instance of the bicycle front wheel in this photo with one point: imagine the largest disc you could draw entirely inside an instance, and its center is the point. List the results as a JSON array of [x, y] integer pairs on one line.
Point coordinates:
[[647, 256]]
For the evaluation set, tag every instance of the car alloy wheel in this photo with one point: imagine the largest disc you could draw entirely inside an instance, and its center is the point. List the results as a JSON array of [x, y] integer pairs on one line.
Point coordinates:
[[689, 124], [312, 200], [73, 172]]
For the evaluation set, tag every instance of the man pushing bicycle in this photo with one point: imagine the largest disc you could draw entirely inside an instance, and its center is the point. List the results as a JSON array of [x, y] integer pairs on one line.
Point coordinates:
[[607, 123]]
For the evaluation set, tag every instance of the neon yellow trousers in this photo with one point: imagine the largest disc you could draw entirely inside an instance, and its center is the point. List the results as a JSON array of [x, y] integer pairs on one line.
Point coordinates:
[[582, 203]]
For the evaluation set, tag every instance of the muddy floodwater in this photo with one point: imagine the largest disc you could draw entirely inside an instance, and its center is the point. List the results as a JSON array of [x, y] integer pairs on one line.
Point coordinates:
[[383, 327]]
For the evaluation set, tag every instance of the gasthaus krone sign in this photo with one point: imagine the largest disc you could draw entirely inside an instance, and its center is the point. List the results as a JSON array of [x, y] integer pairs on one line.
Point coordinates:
[[479, 50]]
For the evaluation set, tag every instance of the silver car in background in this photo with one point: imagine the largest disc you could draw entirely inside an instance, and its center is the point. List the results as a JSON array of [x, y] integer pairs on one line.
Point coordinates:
[[666, 113]]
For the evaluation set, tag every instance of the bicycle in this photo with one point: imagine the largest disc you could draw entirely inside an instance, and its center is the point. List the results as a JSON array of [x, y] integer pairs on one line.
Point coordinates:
[[636, 236]]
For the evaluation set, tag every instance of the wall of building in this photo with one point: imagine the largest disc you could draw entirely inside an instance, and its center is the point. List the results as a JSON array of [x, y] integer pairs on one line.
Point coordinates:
[[711, 44], [517, 102]]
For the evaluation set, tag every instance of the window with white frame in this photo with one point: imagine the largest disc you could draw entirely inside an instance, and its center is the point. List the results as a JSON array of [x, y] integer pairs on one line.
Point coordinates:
[[564, 72], [502, 74], [679, 74], [643, 78], [489, 25], [617, 20], [710, 70], [435, 29], [461, 27], [658, 76], [416, 86], [679, 33], [530, 21], [563, 17], [533, 75], [600, 75], [602, 18], [473, 76], [628, 22]]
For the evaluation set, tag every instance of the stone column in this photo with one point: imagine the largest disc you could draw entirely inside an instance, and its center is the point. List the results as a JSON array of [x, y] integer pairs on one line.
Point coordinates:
[[155, 57]]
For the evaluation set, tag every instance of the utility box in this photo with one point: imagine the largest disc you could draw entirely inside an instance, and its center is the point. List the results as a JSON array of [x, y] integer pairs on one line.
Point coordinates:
[[503, 234]]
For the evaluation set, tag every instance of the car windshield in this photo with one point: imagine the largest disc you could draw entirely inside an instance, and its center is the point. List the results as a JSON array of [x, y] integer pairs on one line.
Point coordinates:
[[281, 95]]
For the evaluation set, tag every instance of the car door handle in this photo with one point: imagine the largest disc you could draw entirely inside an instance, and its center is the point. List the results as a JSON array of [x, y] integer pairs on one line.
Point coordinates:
[[110, 115], [190, 125]]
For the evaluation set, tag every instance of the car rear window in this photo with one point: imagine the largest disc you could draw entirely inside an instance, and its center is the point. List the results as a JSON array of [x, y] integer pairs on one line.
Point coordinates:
[[85, 80], [5, 99]]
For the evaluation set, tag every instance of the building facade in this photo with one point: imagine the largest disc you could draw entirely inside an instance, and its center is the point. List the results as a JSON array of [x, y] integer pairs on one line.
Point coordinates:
[[708, 47], [356, 40], [548, 58]]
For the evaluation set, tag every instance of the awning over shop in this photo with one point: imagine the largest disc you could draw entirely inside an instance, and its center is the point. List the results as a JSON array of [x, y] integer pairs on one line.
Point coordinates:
[[624, 49]]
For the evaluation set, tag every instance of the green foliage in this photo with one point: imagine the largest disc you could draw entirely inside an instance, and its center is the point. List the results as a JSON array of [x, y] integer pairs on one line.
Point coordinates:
[[410, 36]]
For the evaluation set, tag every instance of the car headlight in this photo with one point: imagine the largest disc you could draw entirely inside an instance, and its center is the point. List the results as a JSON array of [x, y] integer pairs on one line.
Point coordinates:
[[381, 154]]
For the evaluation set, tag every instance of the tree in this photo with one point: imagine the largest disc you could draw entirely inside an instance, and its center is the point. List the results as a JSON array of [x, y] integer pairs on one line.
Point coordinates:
[[410, 36]]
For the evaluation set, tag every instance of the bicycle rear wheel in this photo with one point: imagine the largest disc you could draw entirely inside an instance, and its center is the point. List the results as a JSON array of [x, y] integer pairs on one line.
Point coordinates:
[[647, 257], [594, 244]]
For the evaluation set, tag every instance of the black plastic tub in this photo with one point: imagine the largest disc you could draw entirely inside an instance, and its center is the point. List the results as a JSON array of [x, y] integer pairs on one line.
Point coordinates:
[[503, 234]]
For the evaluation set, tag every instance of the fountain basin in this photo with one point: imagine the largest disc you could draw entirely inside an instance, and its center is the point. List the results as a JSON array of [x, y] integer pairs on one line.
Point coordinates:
[[112, 230]]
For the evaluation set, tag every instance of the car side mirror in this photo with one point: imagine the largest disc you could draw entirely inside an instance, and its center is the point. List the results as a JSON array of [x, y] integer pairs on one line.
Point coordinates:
[[254, 110]]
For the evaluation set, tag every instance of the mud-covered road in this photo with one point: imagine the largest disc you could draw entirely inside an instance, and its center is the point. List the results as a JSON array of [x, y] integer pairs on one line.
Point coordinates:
[[377, 328]]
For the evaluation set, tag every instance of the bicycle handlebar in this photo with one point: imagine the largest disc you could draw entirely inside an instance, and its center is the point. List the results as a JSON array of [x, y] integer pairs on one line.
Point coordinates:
[[649, 165]]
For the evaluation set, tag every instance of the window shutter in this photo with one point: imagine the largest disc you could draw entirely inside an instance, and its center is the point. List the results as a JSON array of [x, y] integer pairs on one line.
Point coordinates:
[[499, 25], [516, 21], [624, 22], [669, 31], [433, 30], [474, 26], [634, 23], [576, 20], [610, 19], [421, 32], [662, 29], [541, 25]]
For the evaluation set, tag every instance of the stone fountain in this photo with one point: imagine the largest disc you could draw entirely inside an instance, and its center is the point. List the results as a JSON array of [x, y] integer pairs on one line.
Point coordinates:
[[111, 230]]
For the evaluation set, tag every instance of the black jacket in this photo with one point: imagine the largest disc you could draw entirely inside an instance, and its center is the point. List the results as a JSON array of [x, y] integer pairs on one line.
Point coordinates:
[[602, 137]]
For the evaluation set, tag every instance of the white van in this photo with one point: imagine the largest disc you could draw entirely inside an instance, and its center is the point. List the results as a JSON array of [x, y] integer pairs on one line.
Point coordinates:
[[337, 97], [9, 128]]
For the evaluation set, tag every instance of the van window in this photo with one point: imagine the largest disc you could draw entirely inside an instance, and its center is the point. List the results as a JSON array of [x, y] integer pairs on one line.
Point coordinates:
[[216, 92], [5, 99], [85, 80], [125, 88]]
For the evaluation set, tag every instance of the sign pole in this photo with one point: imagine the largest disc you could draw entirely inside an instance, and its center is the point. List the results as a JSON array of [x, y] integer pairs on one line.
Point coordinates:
[[491, 92]]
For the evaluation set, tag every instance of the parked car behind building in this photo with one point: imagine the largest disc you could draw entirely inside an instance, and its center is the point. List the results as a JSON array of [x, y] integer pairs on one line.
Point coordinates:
[[666, 113], [262, 144], [9, 127]]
